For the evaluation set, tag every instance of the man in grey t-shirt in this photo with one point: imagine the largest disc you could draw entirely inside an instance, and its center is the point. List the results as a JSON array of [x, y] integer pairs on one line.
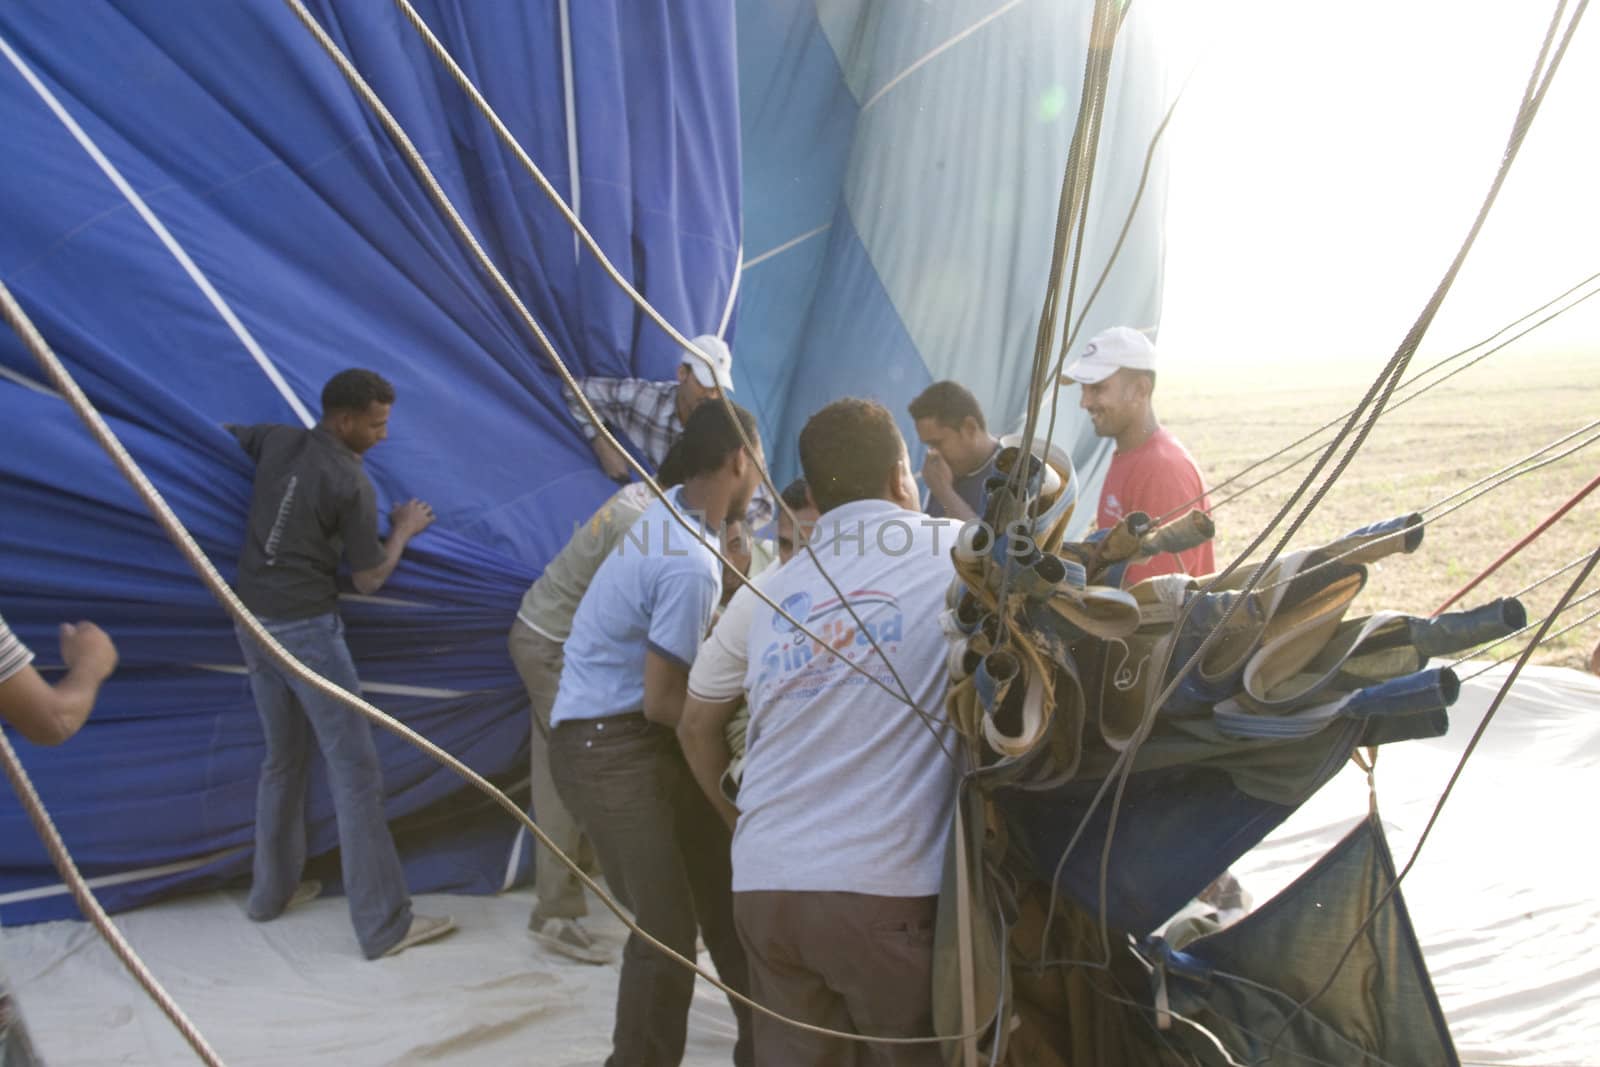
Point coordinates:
[[312, 503], [847, 797]]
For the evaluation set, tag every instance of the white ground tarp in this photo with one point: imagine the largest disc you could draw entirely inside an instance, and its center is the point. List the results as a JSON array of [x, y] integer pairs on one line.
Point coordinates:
[[1503, 900]]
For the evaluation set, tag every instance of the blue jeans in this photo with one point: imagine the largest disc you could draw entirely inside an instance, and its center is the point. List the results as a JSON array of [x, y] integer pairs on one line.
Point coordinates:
[[291, 711]]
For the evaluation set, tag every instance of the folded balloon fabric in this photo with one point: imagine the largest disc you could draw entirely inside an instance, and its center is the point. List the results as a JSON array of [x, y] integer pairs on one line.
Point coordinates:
[[1049, 669], [1227, 700]]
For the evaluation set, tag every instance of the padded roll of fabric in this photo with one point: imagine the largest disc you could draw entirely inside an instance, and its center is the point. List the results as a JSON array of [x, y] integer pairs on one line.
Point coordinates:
[[1418, 698], [1458, 631], [1179, 535]]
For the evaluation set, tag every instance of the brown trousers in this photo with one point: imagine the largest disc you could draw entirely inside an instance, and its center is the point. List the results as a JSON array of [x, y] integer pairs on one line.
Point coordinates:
[[847, 961]]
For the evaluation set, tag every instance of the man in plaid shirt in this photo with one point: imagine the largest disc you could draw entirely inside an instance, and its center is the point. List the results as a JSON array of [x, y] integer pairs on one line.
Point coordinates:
[[651, 414]]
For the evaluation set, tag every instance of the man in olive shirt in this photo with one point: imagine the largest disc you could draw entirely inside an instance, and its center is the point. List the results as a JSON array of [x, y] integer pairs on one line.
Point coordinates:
[[544, 619], [312, 502]]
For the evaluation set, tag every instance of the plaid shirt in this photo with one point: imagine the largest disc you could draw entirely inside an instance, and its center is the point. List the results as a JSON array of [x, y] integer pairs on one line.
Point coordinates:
[[646, 412]]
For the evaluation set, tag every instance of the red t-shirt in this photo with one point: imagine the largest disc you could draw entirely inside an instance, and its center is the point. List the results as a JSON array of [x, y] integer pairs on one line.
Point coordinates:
[[1156, 478]]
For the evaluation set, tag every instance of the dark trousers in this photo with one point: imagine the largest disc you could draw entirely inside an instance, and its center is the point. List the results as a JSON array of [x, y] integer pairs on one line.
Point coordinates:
[[664, 852], [847, 961]]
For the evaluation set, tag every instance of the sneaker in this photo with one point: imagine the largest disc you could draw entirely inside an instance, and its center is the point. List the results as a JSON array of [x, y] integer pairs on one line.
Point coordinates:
[[423, 928], [568, 938], [304, 893]]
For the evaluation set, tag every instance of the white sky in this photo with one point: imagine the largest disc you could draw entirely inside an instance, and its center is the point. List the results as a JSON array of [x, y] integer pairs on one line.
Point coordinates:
[[1328, 159]]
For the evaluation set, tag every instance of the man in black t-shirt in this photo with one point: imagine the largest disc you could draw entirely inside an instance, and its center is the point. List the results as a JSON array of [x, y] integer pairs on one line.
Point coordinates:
[[313, 502]]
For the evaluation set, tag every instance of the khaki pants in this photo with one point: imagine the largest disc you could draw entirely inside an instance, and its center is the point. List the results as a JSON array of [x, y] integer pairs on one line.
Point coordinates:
[[847, 961], [538, 661]]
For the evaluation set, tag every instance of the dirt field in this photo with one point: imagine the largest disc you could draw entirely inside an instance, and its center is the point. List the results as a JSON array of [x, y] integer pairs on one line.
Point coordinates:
[[1505, 408]]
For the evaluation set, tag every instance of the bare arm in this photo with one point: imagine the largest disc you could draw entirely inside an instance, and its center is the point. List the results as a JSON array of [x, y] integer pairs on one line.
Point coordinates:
[[702, 731], [608, 397], [612, 461], [408, 519], [49, 715], [666, 684]]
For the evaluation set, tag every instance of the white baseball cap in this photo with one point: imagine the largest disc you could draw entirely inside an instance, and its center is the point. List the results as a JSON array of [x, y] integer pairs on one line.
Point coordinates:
[[716, 370], [1120, 346]]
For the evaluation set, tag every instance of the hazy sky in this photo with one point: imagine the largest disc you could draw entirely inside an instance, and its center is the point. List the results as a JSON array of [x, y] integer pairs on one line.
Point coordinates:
[[1328, 158]]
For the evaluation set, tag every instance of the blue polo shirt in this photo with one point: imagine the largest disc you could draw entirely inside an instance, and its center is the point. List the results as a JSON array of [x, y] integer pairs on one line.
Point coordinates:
[[654, 593]]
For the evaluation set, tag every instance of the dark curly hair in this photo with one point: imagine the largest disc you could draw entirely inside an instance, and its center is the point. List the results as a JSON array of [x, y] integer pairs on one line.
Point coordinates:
[[355, 390], [849, 451]]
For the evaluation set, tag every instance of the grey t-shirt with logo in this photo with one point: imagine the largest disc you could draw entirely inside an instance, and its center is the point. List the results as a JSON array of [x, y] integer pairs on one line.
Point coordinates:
[[845, 787]]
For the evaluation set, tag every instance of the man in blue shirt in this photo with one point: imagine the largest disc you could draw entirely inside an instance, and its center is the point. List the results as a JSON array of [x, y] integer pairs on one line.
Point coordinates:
[[614, 753], [961, 450]]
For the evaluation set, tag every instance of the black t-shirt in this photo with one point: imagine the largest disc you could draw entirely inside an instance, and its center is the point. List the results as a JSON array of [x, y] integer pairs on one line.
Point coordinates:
[[312, 500]]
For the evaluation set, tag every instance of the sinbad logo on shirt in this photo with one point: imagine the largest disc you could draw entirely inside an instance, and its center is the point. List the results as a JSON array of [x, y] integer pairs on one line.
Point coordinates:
[[796, 606], [882, 623]]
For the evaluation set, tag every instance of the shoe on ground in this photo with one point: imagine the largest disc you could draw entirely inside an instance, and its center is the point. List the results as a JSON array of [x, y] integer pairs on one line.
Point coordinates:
[[423, 928], [567, 937], [304, 893]]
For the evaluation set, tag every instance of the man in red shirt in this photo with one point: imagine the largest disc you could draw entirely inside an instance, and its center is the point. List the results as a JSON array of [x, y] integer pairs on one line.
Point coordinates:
[[1150, 471]]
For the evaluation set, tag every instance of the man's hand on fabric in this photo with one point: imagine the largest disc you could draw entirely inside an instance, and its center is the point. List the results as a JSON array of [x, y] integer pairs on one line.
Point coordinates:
[[411, 518], [408, 520]]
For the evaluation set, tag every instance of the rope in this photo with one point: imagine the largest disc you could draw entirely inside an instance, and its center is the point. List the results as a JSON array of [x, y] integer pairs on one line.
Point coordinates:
[[81, 893], [1122, 237], [1377, 398], [1520, 545], [1481, 649], [1105, 272], [1532, 99], [1461, 765], [1529, 458], [1148, 1010], [1076, 181], [403, 141], [1408, 398], [1591, 616], [1428, 513], [476, 98], [225, 596], [1552, 576]]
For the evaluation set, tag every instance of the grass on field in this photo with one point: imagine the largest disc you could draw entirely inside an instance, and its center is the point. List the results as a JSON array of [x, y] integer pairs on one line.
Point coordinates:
[[1505, 408]]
